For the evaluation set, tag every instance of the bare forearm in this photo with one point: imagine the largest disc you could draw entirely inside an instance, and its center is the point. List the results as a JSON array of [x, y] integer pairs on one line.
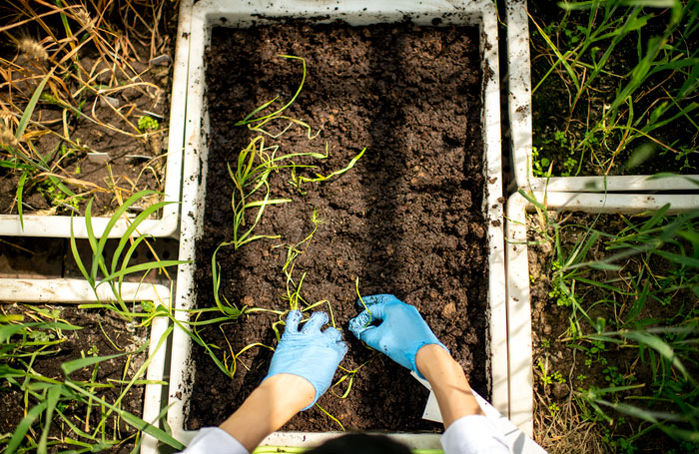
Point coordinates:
[[448, 382], [268, 408]]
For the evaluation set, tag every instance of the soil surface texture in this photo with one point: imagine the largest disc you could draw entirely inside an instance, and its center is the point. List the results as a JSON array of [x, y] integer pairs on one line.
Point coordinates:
[[405, 220], [41, 258], [101, 334]]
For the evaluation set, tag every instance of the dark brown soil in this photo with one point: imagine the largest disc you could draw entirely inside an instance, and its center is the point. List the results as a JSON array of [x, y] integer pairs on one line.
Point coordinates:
[[38, 258], [133, 160], [405, 220], [563, 430], [101, 334], [551, 102]]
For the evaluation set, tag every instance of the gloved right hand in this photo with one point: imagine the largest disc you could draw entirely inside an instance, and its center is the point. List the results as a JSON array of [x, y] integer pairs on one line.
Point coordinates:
[[401, 333]]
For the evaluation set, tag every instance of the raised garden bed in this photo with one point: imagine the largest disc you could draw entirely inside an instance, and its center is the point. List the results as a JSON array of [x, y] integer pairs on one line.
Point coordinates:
[[49, 335], [406, 219], [417, 214], [596, 302], [594, 146], [96, 128]]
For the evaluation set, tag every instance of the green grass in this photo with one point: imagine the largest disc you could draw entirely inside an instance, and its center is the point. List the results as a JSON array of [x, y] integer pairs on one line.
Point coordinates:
[[58, 406], [65, 57], [631, 295], [627, 81], [112, 271]]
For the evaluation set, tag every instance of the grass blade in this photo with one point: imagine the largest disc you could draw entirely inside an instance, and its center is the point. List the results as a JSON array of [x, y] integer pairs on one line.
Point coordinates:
[[20, 190], [29, 110], [24, 425]]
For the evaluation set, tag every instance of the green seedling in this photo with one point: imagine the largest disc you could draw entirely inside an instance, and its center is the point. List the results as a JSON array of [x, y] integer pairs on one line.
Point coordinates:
[[252, 117], [347, 376], [589, 51], [549, 378], [147, 123], [56, 402], [114, 273], [251, 197], [610, 282]]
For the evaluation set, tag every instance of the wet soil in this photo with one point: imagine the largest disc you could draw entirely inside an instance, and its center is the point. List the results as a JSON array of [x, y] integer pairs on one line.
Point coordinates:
[[101, 334], [559, 424], [405, 220], [555, 127], [90, 142]]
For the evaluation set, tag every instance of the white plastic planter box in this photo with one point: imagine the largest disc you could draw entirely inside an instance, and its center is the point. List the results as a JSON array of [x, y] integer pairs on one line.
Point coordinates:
[[520, 112], [75, 291], [241, 13], [167, 224], [519, 337]]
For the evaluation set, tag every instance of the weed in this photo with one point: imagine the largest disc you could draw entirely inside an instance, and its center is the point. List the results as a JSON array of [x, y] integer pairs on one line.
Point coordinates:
[[147, 123], [630, 79], [630, 295], [79, 58], [549, 378], [114, 273], [63, 403]]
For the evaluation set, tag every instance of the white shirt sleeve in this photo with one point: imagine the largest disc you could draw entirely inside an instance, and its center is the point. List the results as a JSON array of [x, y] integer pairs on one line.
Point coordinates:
[[474, 434], [212, 440]]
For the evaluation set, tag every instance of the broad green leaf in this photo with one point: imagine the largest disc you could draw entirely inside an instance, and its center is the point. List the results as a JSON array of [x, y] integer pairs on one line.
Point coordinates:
[[29, 110], [71, 366], [660, 346]]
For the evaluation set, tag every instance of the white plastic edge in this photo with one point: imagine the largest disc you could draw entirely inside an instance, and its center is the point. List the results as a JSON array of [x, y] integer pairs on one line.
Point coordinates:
[[520, 112], [76, 291], [519, 336], [165, 226], [206, 12]]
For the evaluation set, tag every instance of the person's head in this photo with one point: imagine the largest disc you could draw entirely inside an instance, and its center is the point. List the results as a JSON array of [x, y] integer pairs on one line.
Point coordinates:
[[360, 443]]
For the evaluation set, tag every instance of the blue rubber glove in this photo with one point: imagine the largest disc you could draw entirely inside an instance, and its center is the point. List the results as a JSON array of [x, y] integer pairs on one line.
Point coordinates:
[[401, 333], [309, 353]]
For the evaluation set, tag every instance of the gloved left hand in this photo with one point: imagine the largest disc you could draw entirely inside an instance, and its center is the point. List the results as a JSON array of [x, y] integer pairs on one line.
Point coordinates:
[[309, 353]]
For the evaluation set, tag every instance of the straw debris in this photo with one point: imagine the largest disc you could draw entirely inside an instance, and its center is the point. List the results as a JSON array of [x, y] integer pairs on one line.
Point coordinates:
[[84, 19]]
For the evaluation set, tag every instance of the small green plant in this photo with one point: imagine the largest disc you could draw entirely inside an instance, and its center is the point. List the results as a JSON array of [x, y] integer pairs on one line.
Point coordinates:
[[636, 367], [616, 103], [64, 403], [56, 197], [549, 378], [252, 195], [147, 123], [112, 273]]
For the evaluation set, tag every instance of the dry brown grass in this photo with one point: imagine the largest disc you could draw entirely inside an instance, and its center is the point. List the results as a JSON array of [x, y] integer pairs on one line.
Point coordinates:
[[92, 52]]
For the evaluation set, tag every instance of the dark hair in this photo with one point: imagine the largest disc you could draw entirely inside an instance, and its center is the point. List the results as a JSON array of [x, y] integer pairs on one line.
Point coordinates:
[[361, 443]]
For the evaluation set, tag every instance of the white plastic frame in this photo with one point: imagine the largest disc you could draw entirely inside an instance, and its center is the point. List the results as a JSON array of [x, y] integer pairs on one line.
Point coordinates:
[[519, 335], [207, 13], [167, 224], [520, 112], [76, 291]]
